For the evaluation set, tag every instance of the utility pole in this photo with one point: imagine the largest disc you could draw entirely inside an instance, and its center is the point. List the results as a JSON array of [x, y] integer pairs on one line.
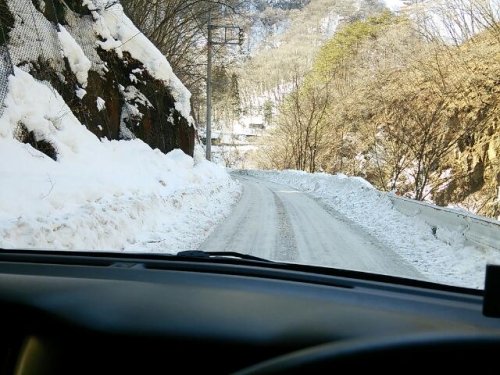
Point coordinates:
[[208, 133], [227, 38]]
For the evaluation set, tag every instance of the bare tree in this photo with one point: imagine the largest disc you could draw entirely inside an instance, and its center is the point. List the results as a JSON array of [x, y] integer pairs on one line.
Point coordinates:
[[456, 21], [178, 30], [302, 127]]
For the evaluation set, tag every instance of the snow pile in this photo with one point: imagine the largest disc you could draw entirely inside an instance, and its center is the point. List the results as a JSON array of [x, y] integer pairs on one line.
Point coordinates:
[[450, 262], [78, 62], [121, 35], [99, 194]]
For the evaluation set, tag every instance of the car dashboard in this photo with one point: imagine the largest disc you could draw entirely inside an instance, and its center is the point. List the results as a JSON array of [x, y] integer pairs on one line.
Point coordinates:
[[73, 313]]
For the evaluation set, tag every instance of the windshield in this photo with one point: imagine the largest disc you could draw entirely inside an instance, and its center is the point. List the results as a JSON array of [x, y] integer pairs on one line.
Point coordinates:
[[352, 134]]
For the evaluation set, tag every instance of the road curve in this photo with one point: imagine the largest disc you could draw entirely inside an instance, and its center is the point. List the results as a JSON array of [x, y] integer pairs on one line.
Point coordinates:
[[277, 222]]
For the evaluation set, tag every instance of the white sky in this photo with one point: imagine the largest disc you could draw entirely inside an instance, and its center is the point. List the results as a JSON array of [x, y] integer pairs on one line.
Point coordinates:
[[393, 5]]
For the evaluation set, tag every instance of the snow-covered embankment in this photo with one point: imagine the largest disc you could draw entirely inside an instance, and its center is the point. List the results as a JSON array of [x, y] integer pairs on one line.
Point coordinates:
[[447, 259], [98, 194]]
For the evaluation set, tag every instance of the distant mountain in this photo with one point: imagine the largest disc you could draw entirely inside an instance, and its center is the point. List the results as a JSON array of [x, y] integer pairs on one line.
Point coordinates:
[[282, 42]]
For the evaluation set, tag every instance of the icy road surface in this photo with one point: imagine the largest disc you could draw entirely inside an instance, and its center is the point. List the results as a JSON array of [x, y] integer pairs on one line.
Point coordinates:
[[277, 222]]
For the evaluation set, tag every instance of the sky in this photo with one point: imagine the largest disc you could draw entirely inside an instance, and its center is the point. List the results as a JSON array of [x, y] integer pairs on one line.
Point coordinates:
[[393, 5]]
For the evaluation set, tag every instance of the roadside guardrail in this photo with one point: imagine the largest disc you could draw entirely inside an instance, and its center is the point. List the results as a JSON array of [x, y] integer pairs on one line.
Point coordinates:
[[476, 229]]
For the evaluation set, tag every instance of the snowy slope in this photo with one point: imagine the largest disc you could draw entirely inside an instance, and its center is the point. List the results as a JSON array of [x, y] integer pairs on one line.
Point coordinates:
[[99, 194], [121, 35], [450, 262], [95, 57]]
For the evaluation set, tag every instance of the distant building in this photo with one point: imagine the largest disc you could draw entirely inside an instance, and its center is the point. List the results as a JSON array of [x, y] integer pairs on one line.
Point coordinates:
[[259, 126]]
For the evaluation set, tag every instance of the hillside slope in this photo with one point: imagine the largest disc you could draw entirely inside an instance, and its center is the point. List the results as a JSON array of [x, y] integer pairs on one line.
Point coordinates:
[[111, 76], [66, 182]]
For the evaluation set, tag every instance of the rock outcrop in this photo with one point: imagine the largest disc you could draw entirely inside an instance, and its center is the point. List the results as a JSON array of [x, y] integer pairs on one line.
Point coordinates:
[[111, 76]]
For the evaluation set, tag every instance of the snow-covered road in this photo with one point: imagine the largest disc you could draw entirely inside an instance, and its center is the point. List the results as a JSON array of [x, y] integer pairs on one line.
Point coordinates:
[[277, 222]]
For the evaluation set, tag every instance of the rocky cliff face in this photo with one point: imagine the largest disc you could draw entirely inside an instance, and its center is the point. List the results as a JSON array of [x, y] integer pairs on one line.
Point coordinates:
[[475, 163], [476, 173], [111, 76]]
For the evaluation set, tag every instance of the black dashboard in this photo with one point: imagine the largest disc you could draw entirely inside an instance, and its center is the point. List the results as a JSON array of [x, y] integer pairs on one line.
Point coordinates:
[[123, 314]]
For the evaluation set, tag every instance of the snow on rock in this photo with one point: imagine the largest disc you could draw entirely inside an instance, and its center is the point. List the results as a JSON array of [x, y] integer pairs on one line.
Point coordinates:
[[78, 62], [80, 93], [98, 195], [67, 50], [446, 260], [131, 94], [120, 34], [101, 104]]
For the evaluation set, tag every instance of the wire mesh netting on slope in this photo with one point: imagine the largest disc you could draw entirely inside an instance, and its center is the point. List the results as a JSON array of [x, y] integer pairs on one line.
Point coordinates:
[[26, 37], [64, 46], [29, 38], [6, 68], [35, 46], [5, 71], [33, 39]]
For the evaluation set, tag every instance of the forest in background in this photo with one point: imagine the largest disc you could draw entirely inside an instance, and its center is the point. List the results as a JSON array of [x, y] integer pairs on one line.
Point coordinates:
[[408, 101], [409, 104]]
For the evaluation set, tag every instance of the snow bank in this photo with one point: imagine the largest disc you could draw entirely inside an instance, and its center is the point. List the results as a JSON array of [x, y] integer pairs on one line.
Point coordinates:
[[121, 35], [99, 194], [450, 262]]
